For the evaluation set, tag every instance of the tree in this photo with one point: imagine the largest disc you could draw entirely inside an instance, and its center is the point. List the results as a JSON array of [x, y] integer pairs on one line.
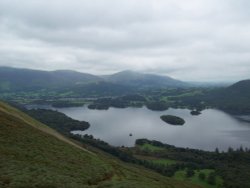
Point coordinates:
[[202, 176], [211, 178], [189, 173], [230, 150]]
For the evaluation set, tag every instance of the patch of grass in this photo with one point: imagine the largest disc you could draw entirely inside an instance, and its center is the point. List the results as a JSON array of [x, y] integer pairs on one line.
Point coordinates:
[[156, 160], [151, 148], [181, 175], [164, 161]]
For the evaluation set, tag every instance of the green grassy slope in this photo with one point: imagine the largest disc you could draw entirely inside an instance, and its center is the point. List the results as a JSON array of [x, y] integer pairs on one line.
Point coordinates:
[[181, 175], [33, 155]]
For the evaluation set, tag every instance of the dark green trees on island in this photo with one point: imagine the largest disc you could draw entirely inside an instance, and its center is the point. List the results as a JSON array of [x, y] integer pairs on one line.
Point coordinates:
[[195, 112], [173, 120]]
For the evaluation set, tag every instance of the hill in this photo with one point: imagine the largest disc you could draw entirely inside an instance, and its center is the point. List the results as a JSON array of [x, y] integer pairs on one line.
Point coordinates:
[[242, 87], [34, 155], [234, 99], [136, 79]]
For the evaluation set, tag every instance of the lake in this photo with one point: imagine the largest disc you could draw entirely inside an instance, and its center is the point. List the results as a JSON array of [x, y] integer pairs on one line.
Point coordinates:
[[213, 128]]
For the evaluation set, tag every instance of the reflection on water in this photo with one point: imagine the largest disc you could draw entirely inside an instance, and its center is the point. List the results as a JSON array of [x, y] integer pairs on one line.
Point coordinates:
[[211, 129]]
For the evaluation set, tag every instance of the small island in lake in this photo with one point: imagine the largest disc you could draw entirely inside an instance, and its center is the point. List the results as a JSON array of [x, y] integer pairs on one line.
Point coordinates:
[[195, 112], [173, 120]]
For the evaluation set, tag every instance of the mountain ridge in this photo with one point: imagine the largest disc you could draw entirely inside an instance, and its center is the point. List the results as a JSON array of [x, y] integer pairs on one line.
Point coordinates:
[[16, 79]]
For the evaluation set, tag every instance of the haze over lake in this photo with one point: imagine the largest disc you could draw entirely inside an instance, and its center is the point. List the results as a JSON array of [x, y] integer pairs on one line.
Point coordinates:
[[211, 129]]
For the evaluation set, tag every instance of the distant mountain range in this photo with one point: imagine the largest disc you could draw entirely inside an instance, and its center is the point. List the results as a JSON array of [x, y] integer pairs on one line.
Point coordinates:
[[234, 98], [15, 79], [136, 79]]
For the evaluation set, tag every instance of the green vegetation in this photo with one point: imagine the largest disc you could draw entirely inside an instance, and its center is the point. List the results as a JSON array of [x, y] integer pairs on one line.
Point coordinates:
[[118, 102], [58, 120], [195, 112], [30, 157], [156, 160], [150, 147], [34, 155], [173, 120], [163, 161], [157, 105], [65, 104], [232, 167], [197, 178]]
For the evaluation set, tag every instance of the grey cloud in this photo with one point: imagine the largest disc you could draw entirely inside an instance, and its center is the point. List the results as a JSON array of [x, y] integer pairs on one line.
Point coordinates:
[[66, 13], [190, 40]]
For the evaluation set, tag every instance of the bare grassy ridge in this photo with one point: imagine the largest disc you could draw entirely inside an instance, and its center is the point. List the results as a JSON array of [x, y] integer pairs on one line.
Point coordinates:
[[33, 155]]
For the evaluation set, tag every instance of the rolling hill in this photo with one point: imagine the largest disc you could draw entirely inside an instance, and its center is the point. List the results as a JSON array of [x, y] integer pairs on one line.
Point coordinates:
[[240, 88], [234, 99], [34, 155]]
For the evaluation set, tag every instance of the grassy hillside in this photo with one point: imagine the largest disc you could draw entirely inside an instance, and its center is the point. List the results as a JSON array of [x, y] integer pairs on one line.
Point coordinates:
[[33, 155]]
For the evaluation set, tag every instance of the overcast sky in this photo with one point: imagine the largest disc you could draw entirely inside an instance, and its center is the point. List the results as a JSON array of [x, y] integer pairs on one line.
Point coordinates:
[[192, 40]]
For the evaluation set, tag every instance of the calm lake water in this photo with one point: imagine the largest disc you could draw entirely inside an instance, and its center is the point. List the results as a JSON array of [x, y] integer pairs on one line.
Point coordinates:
[[211, 129]]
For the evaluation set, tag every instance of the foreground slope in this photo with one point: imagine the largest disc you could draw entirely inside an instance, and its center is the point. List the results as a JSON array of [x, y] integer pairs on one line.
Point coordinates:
[[33, 155]]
